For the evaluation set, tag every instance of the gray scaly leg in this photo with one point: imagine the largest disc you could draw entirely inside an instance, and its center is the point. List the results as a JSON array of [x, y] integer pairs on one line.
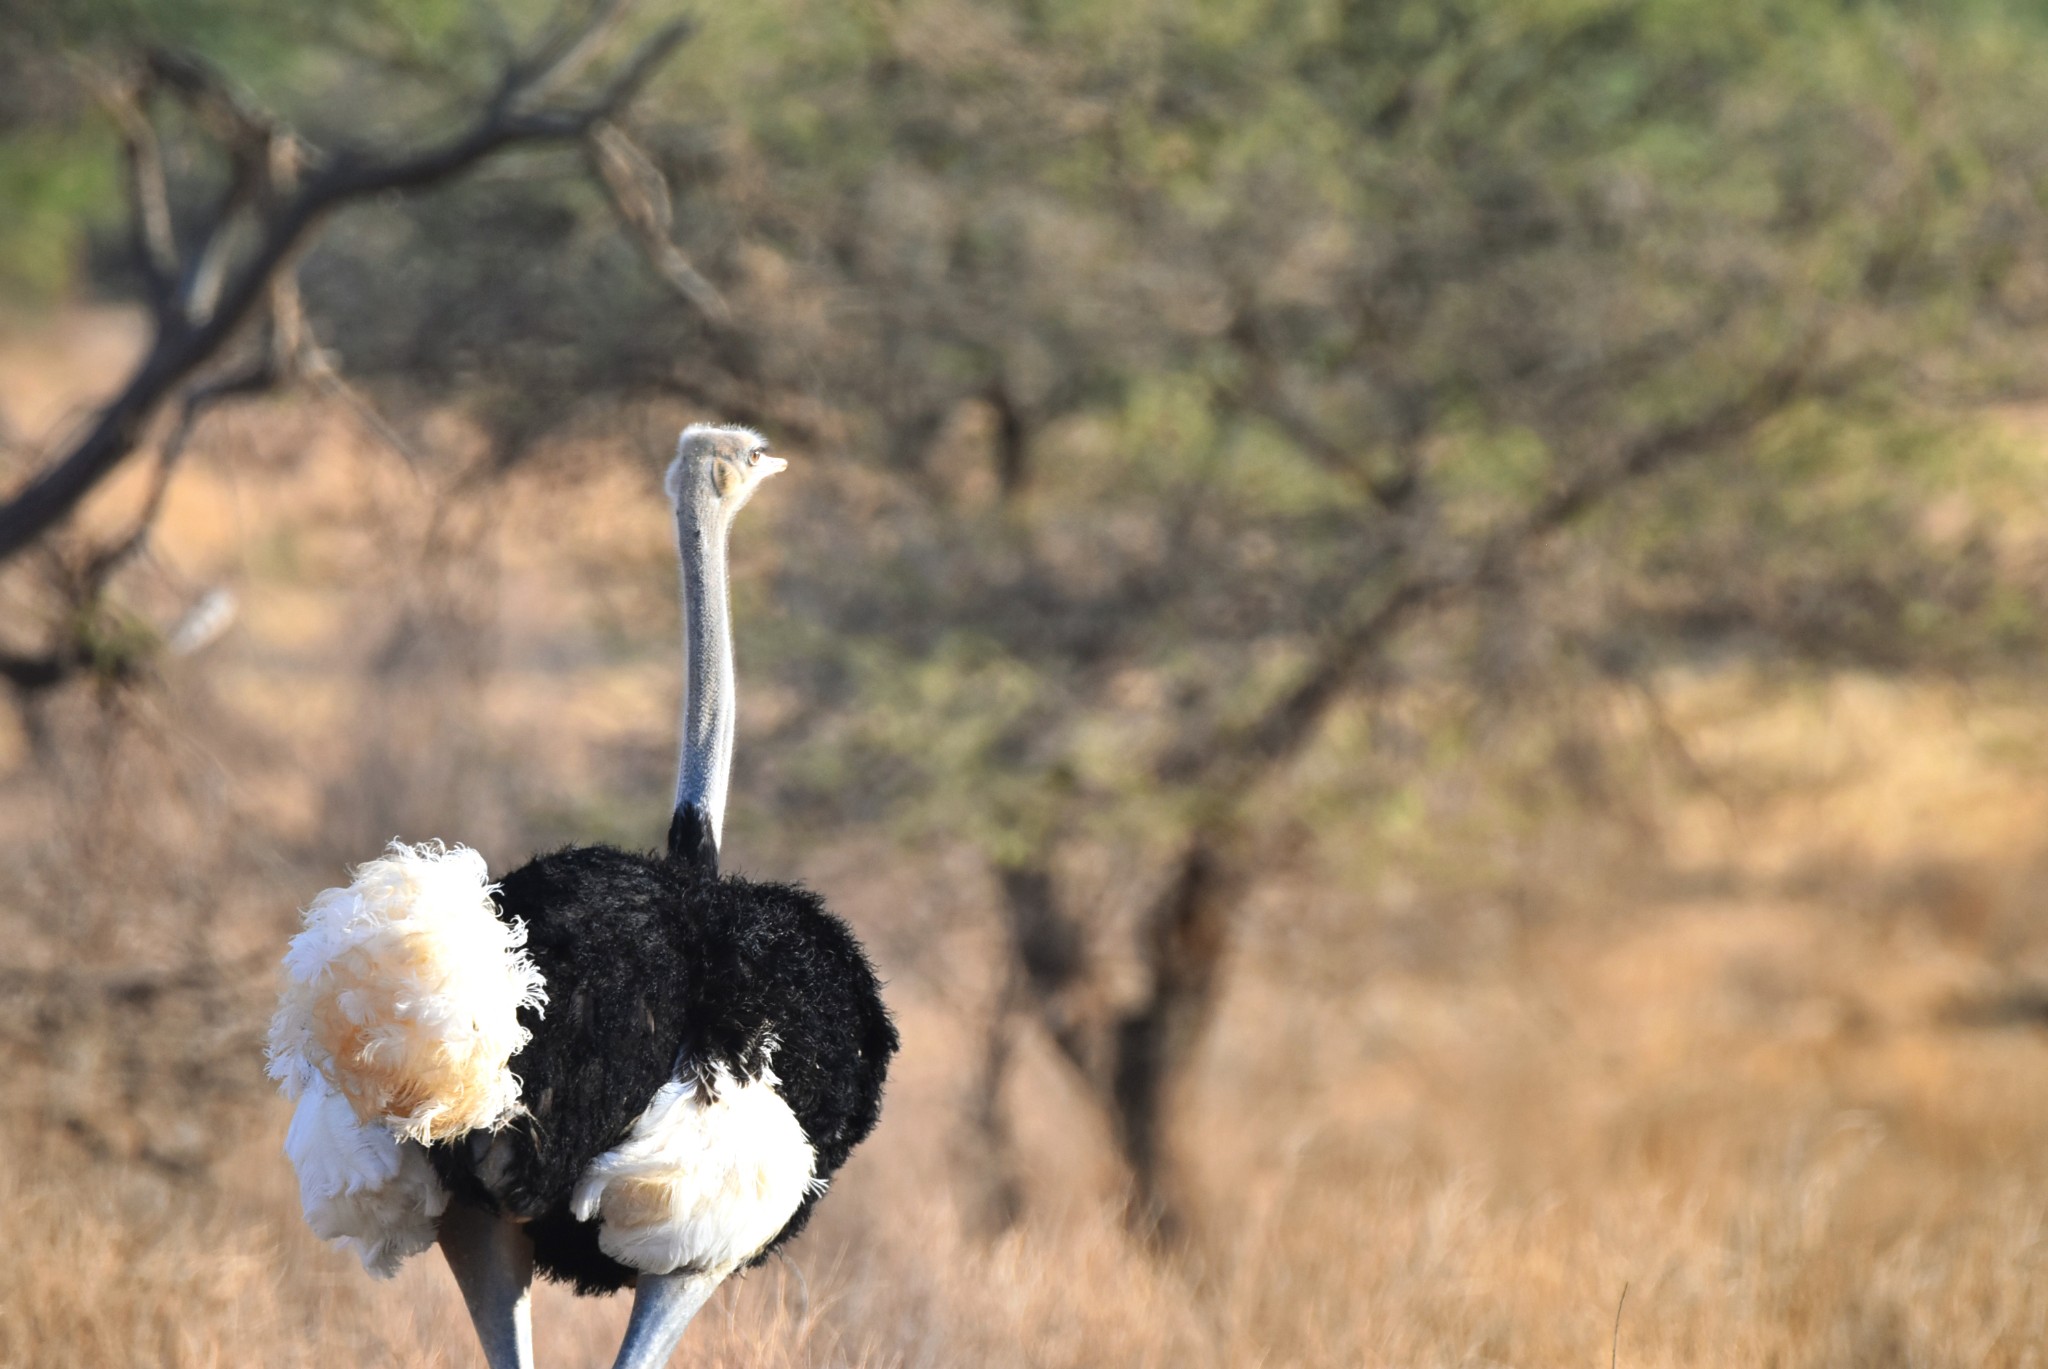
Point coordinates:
[[662, 1306], [492, 1260]]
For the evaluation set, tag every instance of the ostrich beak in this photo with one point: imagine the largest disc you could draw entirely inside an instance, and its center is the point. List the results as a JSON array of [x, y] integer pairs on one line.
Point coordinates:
[[772, 465]]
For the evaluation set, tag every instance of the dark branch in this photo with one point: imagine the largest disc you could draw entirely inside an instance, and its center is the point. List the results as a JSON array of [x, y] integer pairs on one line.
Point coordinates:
[[259, 376], [1263, 390], [639, 195], [1236, 760], [182, 344], [248, 138], [32, 674]]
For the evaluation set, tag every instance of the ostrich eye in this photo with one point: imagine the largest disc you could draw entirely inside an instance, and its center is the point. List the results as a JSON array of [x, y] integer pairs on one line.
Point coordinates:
[[754, 457]]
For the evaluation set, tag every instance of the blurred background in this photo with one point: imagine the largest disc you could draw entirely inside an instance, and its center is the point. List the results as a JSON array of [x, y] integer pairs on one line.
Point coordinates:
[[1413, 629]]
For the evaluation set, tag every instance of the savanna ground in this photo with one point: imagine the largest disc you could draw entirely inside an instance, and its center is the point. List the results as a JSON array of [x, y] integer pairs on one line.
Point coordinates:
[[1760, 1041]]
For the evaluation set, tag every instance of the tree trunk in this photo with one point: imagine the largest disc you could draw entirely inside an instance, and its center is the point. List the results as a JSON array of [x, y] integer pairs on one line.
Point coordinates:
[[1131, 1062], [1187, 938]]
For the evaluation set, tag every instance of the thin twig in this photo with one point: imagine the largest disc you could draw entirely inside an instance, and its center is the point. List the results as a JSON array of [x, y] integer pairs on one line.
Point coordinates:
[[151, 240], [564, 53], [258, 377], [372, 420], [1263, 390]]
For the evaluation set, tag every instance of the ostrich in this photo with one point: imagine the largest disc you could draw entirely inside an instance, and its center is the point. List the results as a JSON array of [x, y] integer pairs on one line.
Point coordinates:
[[612, 1068]]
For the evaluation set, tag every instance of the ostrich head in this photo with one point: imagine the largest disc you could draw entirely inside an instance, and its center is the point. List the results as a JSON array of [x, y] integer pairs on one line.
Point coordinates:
[[717, 469]]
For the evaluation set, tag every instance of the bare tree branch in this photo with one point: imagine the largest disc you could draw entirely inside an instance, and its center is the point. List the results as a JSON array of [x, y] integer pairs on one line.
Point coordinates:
[[152, 243], [259, 376], [563, 53], [1263, 390], [255, 148], [182, 344], [639, 195], [1236, 759]]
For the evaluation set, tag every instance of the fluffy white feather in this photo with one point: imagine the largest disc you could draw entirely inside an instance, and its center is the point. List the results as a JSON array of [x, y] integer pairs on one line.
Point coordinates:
[[403, 993], [359, 1184], [704, 1179]]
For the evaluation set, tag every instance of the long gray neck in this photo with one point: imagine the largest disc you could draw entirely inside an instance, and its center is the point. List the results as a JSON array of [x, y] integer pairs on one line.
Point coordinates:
[[708, 703]]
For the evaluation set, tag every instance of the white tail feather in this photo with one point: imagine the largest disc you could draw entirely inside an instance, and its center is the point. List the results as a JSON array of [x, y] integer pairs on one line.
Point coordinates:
[[360, 1185], [404, 992], [398, 1023]]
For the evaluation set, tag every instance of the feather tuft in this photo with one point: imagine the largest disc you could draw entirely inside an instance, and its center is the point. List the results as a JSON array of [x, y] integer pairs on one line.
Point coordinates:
[[706, 1178], [403, 995], [359, 1185]]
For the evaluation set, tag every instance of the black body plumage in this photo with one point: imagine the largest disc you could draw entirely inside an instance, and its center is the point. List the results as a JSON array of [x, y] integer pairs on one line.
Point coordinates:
[[655, 964]]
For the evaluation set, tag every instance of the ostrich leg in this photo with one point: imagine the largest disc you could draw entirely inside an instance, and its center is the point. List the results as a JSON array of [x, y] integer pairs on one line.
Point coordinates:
[[492, 1260], [662, 1306]]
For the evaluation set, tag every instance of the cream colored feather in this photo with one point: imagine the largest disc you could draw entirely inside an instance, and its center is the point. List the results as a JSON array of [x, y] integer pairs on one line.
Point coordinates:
[[703, 1180], [403, 992]]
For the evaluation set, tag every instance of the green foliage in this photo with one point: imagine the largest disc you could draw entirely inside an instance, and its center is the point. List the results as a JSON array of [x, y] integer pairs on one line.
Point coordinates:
[[1182, 331], [52, 184], [1501, 238]]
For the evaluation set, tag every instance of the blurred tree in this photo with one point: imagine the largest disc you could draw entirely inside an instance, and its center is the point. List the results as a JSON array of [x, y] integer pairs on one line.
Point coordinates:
[[1279, 327], [1201, 366]]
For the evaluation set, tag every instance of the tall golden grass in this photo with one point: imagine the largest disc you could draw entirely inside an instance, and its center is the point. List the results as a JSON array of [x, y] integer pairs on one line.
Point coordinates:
[[1787, 1093]]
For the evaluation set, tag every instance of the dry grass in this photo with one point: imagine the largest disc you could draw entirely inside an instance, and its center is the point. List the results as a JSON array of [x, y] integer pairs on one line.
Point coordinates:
[[1787, 1090]]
